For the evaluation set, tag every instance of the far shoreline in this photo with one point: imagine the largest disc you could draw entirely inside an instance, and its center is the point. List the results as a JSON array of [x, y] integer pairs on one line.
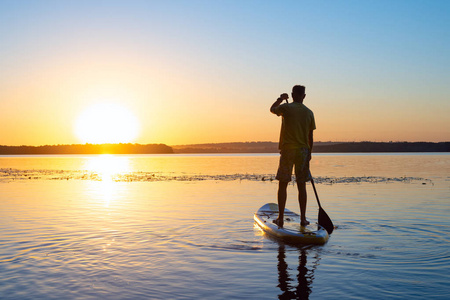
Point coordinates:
[[226, 148]]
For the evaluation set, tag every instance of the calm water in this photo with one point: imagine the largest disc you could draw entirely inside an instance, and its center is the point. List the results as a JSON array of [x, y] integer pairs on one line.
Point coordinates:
[[181, 227]]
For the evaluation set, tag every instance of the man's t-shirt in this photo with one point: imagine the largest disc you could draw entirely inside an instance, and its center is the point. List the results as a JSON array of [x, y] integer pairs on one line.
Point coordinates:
[[298, 121]]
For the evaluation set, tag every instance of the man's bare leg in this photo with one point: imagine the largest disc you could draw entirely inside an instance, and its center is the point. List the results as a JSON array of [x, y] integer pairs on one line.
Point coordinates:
[[282, 196], [302, 199]]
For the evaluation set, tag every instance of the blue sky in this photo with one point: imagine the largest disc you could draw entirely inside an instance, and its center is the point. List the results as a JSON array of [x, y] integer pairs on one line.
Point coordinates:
[[374, 70]]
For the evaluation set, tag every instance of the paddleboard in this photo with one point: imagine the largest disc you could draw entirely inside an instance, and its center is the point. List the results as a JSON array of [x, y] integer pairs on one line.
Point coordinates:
[[291, 232]]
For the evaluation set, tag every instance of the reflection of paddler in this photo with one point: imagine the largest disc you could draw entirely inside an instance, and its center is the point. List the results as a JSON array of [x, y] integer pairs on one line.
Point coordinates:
[[304, 277], [304, 280]]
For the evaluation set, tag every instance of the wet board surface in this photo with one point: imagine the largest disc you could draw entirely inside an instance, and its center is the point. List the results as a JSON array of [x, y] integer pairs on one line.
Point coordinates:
[[291, 232]]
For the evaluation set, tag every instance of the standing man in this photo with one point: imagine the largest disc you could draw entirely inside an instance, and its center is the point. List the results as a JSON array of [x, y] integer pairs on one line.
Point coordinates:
[[296, 141]]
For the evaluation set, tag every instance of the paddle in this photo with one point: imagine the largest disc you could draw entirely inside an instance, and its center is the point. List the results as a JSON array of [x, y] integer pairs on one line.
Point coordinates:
[[324, 219]]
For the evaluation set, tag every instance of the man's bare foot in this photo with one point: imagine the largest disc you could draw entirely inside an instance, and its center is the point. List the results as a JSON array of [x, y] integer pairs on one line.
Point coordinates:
[[304, 223], [279, 222]]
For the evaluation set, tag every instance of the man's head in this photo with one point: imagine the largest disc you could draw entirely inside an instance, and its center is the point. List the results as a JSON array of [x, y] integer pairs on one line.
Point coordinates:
[[298, 93]]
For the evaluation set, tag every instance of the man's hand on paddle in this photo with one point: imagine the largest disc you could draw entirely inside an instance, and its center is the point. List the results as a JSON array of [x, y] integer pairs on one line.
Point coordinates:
[[284, 97], [278, 102]]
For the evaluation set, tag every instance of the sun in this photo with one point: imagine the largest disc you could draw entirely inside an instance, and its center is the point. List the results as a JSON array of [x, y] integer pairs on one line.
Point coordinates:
[[107, 123]]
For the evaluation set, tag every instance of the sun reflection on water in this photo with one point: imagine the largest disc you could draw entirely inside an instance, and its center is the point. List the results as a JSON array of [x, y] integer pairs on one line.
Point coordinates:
[[107, 166]]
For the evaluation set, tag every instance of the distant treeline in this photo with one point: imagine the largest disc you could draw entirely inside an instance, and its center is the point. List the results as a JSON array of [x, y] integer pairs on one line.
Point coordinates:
[[88, 149], [247, 147], [319, 147], [385, 147]]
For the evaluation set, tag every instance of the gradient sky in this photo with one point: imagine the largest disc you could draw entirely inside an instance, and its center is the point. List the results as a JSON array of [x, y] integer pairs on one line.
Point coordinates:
[[208, 71]]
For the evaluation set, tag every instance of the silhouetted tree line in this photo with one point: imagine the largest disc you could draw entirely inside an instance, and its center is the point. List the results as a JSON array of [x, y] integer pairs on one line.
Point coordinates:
[[88, 149], [319, 147], [247, 147], [238, 147], [384, 147]]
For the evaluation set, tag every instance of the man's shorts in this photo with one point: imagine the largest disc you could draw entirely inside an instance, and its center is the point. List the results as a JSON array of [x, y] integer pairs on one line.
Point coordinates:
[[290, 158]]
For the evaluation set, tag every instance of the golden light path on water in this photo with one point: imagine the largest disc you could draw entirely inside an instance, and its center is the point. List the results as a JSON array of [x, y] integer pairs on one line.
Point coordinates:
[[107, 166]]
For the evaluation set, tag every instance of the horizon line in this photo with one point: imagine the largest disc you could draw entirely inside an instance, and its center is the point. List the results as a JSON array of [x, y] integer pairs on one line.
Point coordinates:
[[215, 143]]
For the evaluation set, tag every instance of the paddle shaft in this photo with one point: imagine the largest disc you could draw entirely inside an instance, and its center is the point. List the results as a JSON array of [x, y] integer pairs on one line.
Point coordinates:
[[315, 192]]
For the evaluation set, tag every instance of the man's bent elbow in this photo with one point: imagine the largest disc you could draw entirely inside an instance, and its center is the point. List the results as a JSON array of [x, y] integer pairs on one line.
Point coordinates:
[[272, 110]]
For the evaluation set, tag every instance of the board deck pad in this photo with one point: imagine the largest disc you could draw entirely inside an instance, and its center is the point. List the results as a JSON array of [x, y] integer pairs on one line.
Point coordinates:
[[292, 231]]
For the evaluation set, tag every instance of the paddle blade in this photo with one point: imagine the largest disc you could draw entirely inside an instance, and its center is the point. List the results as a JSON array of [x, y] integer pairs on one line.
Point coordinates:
[[325, 221]]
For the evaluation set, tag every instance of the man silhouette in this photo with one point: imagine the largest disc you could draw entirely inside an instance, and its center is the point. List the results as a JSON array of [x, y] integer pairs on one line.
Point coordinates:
[[296, 141]]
